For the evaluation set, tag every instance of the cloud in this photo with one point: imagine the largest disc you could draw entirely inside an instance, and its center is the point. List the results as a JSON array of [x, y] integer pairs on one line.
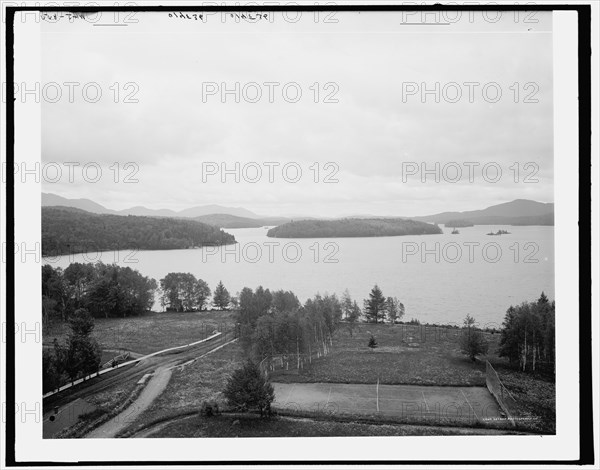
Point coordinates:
[[370, 133]]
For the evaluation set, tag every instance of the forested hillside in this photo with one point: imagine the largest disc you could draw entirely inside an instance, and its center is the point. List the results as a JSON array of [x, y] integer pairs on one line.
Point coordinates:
[[458, 223], [352, 228], [68, 230], [517, 212]]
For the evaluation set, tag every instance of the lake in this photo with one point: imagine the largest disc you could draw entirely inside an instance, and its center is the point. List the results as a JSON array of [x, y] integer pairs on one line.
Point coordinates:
[[438, 278]]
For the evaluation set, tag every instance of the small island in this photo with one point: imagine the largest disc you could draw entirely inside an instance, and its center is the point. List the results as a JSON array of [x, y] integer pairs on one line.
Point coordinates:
[[345, 228], [499, 232]]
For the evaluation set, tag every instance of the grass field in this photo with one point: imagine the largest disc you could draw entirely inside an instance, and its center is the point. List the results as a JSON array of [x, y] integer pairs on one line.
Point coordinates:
[[252, 426], [404, 403], [201, 381], [150, 332], [406, 354], [422, 355]]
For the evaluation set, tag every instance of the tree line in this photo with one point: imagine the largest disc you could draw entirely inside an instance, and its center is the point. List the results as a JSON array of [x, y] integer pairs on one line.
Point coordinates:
[[528, 335], [352, 228], [104, 290], [378, 307], [109, 290], [69, 230], [276, 323], [79, 356], [182, 292]]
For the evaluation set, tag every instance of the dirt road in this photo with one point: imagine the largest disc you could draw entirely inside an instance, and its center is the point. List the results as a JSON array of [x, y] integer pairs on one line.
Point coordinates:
[[66, 399], [153, 389]]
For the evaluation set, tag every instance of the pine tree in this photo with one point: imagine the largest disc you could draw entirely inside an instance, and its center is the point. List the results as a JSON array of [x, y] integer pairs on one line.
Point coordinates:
[[375, 304], [372, 342], [82, 354], [221, 297], [249, 389]]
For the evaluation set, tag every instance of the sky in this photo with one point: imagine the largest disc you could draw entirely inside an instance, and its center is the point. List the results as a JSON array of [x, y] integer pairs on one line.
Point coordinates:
[[361, 138]]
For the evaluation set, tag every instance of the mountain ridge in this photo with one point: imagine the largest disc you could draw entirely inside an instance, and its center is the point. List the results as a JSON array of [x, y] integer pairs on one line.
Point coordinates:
[[516, 212], [51, 199]]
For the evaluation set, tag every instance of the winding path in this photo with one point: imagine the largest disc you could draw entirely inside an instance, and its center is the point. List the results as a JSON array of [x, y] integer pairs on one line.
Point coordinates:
[[158, 365], [153, 389]]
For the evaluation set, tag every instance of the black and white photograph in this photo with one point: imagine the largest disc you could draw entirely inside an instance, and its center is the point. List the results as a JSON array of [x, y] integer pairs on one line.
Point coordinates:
[[307, 233]]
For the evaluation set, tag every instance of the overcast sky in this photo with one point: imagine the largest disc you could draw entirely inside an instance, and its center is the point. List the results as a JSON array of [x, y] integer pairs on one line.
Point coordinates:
[[373, 134]]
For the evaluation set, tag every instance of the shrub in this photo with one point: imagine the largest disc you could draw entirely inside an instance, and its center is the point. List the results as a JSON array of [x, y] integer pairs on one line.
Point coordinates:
[[249, 389], [209, 409], [472, 342]]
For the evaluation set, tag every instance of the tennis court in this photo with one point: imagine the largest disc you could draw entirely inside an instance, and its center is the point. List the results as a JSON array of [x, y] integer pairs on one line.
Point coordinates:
[[460, 404]]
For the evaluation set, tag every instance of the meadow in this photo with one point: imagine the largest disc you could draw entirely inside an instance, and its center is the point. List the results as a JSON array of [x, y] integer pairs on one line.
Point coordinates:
[[405, 354], [150, 332]]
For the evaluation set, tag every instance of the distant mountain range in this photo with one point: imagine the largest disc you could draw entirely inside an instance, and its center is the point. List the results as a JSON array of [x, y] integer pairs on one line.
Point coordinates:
[[517, 212], [50, 199]]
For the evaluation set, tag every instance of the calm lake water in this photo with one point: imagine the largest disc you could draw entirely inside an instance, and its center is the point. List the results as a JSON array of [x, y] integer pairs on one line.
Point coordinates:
[[439, 278]]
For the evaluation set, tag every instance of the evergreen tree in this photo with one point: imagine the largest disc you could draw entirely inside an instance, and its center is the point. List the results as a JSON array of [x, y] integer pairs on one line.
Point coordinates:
[[82, 354], [249, 389], [510, 338], [372, 342], [221, 297], [375, 305]]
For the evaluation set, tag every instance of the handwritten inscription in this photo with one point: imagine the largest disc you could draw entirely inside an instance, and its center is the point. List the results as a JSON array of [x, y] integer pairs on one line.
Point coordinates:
[[187, 16], [249, 16], [96, 18], [54, 16]]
